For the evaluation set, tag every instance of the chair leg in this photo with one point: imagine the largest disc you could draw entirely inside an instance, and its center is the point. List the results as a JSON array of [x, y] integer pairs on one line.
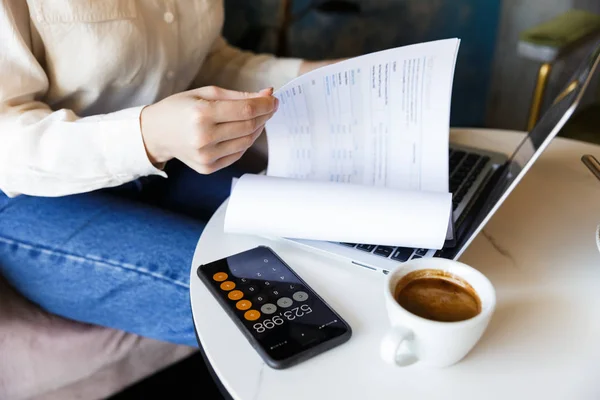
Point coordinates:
[[538, 94]]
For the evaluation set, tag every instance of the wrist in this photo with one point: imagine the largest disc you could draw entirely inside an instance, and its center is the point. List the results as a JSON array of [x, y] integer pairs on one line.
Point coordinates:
[[156, 153]]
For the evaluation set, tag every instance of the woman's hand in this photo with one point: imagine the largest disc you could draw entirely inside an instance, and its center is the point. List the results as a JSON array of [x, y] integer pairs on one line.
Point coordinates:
[[208, 128]]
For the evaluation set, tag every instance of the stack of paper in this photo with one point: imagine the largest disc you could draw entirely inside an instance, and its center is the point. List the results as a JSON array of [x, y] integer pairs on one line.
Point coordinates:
[[358, 152]]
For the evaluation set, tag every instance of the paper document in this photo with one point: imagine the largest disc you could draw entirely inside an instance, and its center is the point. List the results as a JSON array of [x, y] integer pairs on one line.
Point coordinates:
[[358, 152], [305, 209], [381, 119]]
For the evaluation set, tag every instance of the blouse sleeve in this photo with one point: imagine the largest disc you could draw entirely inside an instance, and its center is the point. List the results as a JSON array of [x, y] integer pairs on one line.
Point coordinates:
[[236, 69], [47, 152]]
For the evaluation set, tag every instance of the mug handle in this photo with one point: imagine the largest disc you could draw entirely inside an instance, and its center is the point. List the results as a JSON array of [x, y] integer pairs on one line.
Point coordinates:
[[391, 343]]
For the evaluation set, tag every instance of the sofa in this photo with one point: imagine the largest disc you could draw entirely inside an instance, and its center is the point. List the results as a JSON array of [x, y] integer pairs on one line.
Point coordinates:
[[46, 357]]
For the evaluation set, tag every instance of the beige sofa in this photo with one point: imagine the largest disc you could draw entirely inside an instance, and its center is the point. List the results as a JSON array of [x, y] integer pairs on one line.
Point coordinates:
[[45, 357]]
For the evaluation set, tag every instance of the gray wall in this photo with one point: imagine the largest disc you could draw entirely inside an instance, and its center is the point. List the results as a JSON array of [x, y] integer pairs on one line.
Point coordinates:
[[513, 78]]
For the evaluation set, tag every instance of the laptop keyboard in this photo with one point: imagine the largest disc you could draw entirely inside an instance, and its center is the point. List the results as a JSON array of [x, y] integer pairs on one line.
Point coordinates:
[[464, 169]]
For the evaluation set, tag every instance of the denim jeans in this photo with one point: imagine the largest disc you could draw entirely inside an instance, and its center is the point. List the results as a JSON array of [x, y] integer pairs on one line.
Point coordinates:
[[117, 257]]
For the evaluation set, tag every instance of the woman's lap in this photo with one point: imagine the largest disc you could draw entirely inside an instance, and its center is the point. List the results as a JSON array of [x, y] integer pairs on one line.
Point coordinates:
[[117, 258]]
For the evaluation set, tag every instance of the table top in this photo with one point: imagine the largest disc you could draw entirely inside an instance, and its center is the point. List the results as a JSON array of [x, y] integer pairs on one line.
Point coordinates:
[[539, 252]]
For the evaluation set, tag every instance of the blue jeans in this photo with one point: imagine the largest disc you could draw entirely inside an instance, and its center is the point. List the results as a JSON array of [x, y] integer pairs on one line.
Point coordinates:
[[117, 257]]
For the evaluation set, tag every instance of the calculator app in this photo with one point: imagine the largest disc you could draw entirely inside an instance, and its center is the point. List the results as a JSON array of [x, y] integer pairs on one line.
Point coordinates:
[[275, 306]]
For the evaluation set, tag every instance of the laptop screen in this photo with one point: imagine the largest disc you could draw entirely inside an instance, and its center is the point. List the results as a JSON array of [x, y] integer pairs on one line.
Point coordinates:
[[557, 114], [529, 150]]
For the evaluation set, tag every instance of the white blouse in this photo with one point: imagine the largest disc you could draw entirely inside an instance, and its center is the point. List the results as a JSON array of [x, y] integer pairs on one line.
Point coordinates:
[[75, 74]]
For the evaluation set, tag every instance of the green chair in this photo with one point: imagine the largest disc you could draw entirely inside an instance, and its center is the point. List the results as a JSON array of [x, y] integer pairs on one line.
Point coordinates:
[[551, 42]]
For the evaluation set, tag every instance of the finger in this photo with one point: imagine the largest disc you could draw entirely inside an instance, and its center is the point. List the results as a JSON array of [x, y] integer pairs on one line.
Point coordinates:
[[232, 130], [215, 166], [236, 145], [242, 110], [225, 161], [209, 155], [218, 93]]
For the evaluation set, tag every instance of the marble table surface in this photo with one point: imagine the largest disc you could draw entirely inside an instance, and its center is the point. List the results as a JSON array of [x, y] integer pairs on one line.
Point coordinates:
[[538, 250]]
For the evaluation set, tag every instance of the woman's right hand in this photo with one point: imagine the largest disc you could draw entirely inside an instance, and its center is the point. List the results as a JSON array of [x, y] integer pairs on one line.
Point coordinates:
[[208, 128]]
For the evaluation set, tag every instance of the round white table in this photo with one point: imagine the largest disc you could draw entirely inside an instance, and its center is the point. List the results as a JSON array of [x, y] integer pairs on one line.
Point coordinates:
[[539, 251]]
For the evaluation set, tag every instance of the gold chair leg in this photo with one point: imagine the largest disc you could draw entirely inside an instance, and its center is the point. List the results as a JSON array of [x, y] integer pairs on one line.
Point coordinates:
[[538, 94]]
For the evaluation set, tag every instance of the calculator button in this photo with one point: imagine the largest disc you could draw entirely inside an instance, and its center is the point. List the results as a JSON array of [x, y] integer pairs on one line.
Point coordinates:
[[291, 286], [227, 285], [220, 276], [243, 305], [284, 302], [260, 299], [252, 315], [267, 284], [235, 295], [252, 289], [305, 336], [275, 292], [244, 280], [268, 308], [300, 296]]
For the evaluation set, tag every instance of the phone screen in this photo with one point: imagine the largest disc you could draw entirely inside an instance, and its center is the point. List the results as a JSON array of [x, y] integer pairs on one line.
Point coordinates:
[[275, 306]]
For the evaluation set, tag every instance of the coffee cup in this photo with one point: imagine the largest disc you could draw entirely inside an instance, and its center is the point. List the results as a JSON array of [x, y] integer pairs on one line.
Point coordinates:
[[438, 310]]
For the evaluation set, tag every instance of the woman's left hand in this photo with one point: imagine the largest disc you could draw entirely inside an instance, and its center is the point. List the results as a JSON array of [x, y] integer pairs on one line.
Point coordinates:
[[308, 66]]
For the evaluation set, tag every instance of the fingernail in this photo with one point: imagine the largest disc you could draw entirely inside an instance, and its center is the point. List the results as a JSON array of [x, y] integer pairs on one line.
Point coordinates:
[[276, 103], [269, 89]]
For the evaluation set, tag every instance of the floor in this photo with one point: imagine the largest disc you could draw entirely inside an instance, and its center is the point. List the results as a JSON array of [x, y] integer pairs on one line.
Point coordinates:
[[184, 377]]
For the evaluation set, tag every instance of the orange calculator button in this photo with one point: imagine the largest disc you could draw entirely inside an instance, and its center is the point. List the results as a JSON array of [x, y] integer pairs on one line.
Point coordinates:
[[227, 285], [235, 295], [252, 315], [243, 305], [220, 276]]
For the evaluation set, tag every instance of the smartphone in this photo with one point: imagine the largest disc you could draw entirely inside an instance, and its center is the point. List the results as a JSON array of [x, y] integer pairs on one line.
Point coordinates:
[[281, 316]]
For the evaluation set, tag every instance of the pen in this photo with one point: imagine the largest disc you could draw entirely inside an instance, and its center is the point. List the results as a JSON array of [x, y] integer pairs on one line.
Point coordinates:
[[592, 163]]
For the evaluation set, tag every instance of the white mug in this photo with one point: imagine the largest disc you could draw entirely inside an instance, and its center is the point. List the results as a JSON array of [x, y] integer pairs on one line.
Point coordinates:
[[413, 339]]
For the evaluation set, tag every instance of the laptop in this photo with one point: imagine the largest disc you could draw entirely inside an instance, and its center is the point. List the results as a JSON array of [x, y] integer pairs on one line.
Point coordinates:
[[479, 181]]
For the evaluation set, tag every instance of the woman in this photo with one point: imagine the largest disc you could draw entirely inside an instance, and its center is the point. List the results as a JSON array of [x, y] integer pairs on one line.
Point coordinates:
[[118, 119]]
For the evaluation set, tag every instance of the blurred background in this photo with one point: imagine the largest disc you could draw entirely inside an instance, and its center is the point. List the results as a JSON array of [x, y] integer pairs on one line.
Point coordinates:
[[494, 82]]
